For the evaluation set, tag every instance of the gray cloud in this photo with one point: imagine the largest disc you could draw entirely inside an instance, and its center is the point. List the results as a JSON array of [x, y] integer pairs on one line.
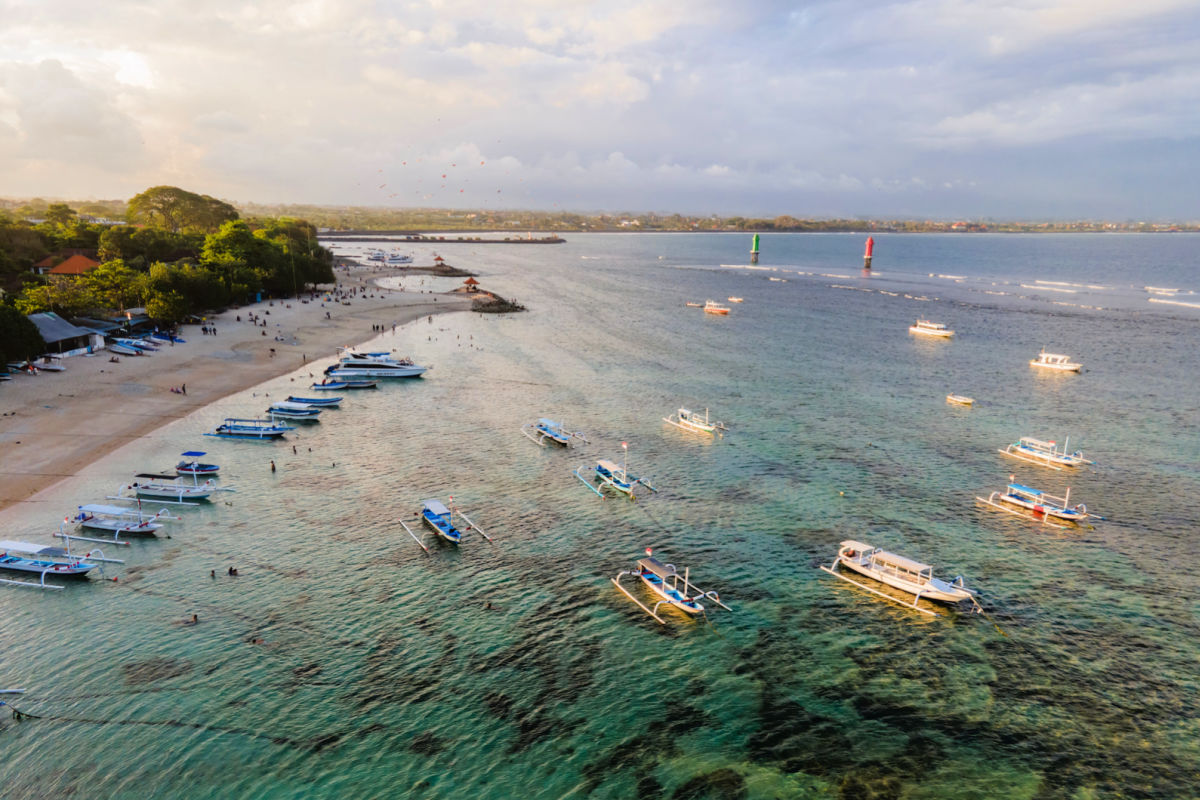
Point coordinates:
[[913, 108]]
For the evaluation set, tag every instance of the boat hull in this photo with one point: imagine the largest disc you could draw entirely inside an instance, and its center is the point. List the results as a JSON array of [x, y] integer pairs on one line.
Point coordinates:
[[50, 569], [926, 590], [671, 597]]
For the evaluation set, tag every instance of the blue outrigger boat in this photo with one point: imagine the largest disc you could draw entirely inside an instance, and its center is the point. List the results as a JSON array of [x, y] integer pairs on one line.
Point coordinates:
[[613, 477], [440, 519], [1042, 507], [538, 432], [320, 402], [43, 560], [258, 429], [668, 586]]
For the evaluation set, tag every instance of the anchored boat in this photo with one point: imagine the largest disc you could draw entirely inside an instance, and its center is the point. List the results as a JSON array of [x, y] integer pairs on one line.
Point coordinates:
[[373, 365], [441, 520], [960, 400], [115, 520], [545, 429], [168, 489], [1046, 454], [290, 410], [668, 586], [713, 307], [320, 402], [691, 421], [927, 328], [1056, 362], [46, 560], [260, 429], [900, 573], [1041, 507], [192, 466], [613, 477]]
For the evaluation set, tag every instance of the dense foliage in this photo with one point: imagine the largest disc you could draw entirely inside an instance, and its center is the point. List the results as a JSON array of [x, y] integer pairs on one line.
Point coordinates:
[[19, 338], [192, 254]]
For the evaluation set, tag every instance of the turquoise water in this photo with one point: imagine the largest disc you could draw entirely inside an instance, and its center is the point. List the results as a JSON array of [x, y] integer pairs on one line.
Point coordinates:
[[345, 662]]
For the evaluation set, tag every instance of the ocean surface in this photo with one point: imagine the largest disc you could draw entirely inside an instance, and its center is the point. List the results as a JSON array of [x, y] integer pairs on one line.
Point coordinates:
[[343, 661]]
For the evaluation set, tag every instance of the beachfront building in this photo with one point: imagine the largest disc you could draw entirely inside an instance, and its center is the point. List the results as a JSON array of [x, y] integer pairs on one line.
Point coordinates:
[[74, 265], [64, 338]]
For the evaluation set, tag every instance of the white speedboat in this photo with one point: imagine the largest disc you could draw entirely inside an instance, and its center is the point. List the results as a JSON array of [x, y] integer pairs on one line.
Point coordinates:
[[898, 572], [1056, 362], [927, 328], [713, 307], [373, 365]]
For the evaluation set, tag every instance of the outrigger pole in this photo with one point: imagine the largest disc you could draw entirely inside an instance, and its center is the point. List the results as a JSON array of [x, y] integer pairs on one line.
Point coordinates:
[[415, 539], [474, 526], [643, 606], [913, 605], [70, 536]]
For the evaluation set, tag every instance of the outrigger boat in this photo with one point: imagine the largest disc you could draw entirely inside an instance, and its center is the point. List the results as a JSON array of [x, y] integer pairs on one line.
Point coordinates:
[[1046, 454], [668, 586], [928, 328], [334, 386], [713, 307], [613, 477], [691, 421], [440, 519], [115, 520], [290, 410], [168, 489], [192, 466], [1042, 507], [960, 400], [260, 429], [1055, 361], [46, 560], [320, 402], [538, 432], [900, 573]]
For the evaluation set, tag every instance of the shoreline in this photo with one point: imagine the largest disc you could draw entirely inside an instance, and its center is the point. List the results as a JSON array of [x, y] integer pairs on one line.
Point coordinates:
[[53, 425]]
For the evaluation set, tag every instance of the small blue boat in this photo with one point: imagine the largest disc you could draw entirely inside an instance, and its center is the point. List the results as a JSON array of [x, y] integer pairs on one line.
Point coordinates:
[[612, 476], [323, 402], [192, 466], [331, 386], [167, 337], [546, 429], [440, 519]]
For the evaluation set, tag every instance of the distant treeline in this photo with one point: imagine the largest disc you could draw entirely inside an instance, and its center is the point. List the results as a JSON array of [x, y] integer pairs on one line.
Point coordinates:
[[182, 253]]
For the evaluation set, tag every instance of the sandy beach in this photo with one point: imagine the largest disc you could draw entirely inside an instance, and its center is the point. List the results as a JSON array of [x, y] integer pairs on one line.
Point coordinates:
[[55, 423]]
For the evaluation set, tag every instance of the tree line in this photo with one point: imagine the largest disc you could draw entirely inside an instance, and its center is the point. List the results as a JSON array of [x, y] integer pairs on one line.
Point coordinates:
[[182, 254]]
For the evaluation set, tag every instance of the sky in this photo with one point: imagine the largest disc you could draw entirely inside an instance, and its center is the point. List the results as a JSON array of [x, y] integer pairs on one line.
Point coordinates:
[[1023, 109]]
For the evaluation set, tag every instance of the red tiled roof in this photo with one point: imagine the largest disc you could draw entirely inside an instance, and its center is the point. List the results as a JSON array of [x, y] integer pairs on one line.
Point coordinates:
[[48, 261], [75, 265]]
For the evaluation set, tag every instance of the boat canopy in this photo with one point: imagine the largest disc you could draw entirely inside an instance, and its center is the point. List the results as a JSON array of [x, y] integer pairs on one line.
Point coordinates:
[[1037, 443], [9, 546], [436, 507], [1016, 487], [608, 465], [660, 569], [861, 547], [193, 453], [549, 423], [900, 562], [116, 511]]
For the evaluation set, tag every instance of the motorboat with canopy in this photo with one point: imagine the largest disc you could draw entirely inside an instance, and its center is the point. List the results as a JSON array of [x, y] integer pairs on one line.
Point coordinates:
[[692, 421], [440, 519], [1038, 505], [548, 430], [47, 560], [259, 429], [613, 476], [1055, 362], [1044, 453], [191, 464], [899, 572], [927, 328], [116, 520]]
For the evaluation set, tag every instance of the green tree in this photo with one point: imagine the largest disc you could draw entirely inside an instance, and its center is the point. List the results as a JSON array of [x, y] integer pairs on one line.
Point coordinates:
[[177, 210], [167, 307], [60, 214], [113, 285], [63, 295], [19, 337]]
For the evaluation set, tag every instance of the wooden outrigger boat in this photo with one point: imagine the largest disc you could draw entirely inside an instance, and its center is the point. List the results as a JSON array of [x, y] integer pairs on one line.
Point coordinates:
[[927, 328], [538, 432], [116, 520], [1044, 453], [47, 560], [440, 519], [613, 477], [258, 429], [900, 573], [691, 421], [960, 400], [669, 587], [192, 466], [320, 402], [1056, 362], [1041, 507]]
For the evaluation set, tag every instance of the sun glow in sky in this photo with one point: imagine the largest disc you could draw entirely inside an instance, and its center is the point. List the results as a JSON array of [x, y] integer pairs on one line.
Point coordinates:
[[1076, 108]]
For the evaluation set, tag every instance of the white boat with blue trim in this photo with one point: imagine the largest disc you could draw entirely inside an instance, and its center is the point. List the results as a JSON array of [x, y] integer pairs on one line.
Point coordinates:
[[191, 464], [927, 328], [319, 402], [614, 477], [693, 422], [47, 561], [1045, 453], [259, 429], [1037, 505], [668, 587], [548, 430], [115, 520], [290, 410], [1055, 362]]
